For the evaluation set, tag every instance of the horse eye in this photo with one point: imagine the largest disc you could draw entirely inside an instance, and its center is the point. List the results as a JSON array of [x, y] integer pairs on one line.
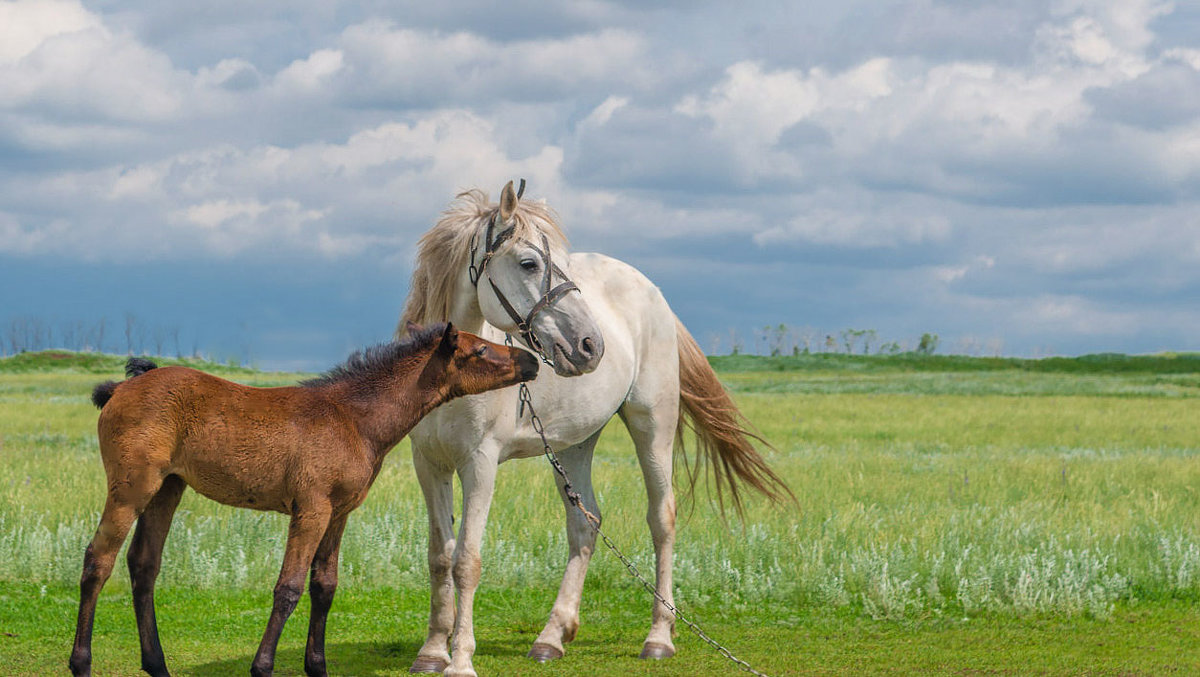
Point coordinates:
[[480, 351], [529, 264]]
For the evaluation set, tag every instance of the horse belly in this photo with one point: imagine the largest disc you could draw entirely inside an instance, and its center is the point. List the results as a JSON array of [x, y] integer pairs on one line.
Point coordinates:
[[238, 477]]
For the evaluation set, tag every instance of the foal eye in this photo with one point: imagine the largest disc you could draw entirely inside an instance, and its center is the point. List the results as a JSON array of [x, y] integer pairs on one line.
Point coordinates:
[[480, 351], [529, 264]]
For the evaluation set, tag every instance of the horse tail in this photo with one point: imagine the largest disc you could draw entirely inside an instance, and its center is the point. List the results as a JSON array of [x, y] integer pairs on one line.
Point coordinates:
[[103, 392], [723, 433]]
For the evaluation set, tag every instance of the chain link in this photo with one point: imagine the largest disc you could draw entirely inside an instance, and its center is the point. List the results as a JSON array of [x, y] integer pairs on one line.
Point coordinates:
[[577, 501]]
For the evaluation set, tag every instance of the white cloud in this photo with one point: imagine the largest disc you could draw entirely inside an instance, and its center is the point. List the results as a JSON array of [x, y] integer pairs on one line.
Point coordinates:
[[66, 62], [853, 228], [383, 184], [1052, 314], [393, 63], [26, 24], [312, 73], [1062, 139]]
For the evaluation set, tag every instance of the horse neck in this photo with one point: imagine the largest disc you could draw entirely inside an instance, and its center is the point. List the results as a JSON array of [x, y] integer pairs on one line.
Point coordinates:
[[465, 312]]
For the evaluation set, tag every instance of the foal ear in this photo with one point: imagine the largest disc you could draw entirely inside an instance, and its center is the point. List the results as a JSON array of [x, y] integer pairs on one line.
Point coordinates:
[[449, 342], [508, 202]]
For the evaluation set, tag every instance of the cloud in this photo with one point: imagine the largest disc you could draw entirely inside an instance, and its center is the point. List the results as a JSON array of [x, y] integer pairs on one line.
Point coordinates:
[[381, 186], [395, 65], [972, 164], [63, 63]]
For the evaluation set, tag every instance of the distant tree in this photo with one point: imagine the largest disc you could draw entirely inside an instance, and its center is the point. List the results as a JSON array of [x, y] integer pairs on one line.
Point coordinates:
[[995, 347], [807, 336], [66, 335], [98, 334], [160, 336], [928, 344], [868, 336], [735, 343], [714, 342], [130, 323], [778, 334], [850, 339]]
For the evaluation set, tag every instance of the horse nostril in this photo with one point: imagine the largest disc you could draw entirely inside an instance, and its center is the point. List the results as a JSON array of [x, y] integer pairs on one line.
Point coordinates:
[[587, 346]]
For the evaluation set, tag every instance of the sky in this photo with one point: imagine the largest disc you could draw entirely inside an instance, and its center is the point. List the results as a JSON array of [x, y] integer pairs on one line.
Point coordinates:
[[249, 180]]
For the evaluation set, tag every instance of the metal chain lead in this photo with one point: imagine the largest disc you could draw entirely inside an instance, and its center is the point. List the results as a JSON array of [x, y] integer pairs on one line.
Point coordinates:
[[577, 501]]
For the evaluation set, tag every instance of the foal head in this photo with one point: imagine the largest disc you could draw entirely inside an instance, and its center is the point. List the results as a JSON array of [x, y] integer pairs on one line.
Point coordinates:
[[464, 364]]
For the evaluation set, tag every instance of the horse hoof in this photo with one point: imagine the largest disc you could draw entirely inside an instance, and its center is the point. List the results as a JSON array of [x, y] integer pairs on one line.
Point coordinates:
[[653, 651], [544, 652], [429, 664]]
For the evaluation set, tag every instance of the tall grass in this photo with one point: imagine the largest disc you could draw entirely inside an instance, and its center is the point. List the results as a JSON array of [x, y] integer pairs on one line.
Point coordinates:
[[920, 494]]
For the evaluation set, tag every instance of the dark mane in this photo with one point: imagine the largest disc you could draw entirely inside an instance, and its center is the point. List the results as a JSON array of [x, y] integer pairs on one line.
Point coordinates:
[[369, 365]]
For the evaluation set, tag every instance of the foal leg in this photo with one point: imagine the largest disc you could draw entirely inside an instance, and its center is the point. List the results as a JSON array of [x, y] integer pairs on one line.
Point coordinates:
[[145, 559], [322, 584], [652, 427], [304, 533], [125, 501], [581, 539]]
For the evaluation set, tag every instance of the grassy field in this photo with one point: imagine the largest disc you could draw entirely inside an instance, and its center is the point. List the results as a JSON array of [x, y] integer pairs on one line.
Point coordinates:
[[956, 516]]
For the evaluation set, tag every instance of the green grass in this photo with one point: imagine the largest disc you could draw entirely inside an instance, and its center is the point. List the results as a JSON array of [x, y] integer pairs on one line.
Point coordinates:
[[1001, 520], [59, 361]]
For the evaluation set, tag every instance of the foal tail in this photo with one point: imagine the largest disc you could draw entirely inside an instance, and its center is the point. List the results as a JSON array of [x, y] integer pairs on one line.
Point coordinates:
[[723, 433], [103, 392]]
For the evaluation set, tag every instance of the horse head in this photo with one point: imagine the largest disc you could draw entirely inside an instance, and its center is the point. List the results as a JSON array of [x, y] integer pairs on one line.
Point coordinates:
[[522, 274]]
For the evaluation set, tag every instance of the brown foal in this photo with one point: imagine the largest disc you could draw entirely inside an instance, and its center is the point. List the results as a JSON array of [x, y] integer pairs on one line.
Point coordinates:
[[309, 451]]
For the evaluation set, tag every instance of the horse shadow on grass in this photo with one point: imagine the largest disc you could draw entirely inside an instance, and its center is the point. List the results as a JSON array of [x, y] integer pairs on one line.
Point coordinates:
[[368, 659]]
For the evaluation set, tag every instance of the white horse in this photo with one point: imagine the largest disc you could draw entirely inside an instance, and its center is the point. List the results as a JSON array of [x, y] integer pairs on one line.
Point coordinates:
[[495, 269]]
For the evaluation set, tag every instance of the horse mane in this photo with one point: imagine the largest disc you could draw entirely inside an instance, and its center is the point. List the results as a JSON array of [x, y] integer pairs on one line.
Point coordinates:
[[369, 366], [443, 253]]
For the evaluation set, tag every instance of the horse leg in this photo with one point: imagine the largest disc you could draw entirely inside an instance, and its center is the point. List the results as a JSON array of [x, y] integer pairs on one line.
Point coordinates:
[[305, 532], [652, 427], [125, 502], [478, 479], [322, 584], [145, 559], [437, 486], [581, 539]]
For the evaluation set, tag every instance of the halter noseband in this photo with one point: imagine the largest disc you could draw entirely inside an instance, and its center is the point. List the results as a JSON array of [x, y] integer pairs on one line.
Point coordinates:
[[550, 294]]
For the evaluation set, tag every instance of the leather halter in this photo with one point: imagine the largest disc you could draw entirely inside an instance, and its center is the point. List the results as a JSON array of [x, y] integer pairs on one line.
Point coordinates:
[[550, 293]]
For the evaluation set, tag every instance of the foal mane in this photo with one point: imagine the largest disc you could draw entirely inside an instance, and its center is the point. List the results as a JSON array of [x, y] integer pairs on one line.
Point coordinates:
[[444, 252], [369, 366]]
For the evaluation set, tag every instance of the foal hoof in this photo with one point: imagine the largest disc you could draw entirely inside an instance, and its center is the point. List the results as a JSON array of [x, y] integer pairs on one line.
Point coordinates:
[[544, 652], [429, 664], [653, 651]]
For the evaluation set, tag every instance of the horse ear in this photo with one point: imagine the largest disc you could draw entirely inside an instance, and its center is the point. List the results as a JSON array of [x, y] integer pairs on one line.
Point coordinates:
[[508, 202], [449, 342]]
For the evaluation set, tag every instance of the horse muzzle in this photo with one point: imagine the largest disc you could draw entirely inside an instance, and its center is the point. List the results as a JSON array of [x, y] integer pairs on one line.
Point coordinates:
[[581, 359]]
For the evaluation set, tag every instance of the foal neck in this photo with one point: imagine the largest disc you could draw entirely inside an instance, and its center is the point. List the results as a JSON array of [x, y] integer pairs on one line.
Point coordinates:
[[389, 408]]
